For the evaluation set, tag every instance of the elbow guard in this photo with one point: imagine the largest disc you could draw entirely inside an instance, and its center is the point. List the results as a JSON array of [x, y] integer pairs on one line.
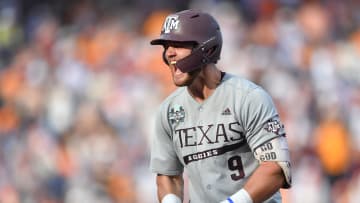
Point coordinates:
[[276, 150]]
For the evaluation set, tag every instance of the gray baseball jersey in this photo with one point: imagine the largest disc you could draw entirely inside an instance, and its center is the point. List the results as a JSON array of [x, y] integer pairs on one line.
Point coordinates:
[[214, 140]]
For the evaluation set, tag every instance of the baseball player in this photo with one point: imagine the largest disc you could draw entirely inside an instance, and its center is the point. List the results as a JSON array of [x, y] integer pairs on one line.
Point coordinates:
[[222, 129]]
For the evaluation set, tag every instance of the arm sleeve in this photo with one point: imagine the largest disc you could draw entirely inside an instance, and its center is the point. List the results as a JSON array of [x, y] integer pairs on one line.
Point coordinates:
[[260, 118], [164, 159]]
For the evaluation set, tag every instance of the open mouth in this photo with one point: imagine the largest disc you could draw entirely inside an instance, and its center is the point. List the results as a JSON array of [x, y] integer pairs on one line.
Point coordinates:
[[177, 71]]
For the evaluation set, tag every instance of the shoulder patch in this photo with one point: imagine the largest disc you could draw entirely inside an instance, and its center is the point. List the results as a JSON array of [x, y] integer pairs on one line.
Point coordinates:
[[274, 126], [176, 114]]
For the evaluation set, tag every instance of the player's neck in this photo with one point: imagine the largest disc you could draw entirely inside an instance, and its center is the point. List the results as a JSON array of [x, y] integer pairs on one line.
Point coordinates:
[[205, 83]]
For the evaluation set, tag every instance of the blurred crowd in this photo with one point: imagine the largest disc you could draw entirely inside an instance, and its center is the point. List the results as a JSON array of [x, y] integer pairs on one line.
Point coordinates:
[[79, 86]]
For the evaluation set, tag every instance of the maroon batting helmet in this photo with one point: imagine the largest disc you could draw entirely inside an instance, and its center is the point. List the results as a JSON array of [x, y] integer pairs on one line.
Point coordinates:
[[192, 26]]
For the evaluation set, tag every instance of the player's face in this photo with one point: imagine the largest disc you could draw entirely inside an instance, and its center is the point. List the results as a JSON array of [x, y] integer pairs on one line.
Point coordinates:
[[174, 52]]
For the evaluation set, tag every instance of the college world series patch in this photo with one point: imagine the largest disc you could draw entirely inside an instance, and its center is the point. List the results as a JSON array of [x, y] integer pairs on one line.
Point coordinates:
[[176, 114]]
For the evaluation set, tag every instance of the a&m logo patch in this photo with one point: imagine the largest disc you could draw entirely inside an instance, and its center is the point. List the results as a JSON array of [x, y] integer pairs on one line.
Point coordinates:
[[176, 114], [171, 23], [273, 126]]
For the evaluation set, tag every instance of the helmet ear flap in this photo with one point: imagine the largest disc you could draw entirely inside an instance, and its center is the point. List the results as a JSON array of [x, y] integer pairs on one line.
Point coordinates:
[[207, 52], [212, 54]]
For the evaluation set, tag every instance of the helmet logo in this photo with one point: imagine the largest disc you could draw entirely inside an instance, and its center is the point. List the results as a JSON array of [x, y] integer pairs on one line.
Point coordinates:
[[171, 23]]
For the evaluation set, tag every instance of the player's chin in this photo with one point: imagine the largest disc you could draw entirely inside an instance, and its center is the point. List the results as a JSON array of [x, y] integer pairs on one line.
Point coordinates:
[[180, 83], [184, 79]]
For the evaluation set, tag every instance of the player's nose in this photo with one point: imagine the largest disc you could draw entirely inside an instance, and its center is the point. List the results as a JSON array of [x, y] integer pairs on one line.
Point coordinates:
[[170, 52]]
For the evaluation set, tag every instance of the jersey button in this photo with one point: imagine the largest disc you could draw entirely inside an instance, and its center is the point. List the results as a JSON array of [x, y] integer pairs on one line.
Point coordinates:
[[201, 108], [208, 187]]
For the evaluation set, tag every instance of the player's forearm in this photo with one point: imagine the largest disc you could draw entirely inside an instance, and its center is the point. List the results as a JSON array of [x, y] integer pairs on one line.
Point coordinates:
[[169, 185], [265, 181]]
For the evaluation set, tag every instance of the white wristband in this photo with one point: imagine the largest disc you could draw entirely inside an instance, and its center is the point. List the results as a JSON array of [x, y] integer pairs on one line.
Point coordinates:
[[171, 198], [242, 196]]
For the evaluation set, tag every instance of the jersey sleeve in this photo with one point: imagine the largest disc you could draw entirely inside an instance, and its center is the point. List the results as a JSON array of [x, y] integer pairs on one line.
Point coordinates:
[[260, 118], [164, 159]]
